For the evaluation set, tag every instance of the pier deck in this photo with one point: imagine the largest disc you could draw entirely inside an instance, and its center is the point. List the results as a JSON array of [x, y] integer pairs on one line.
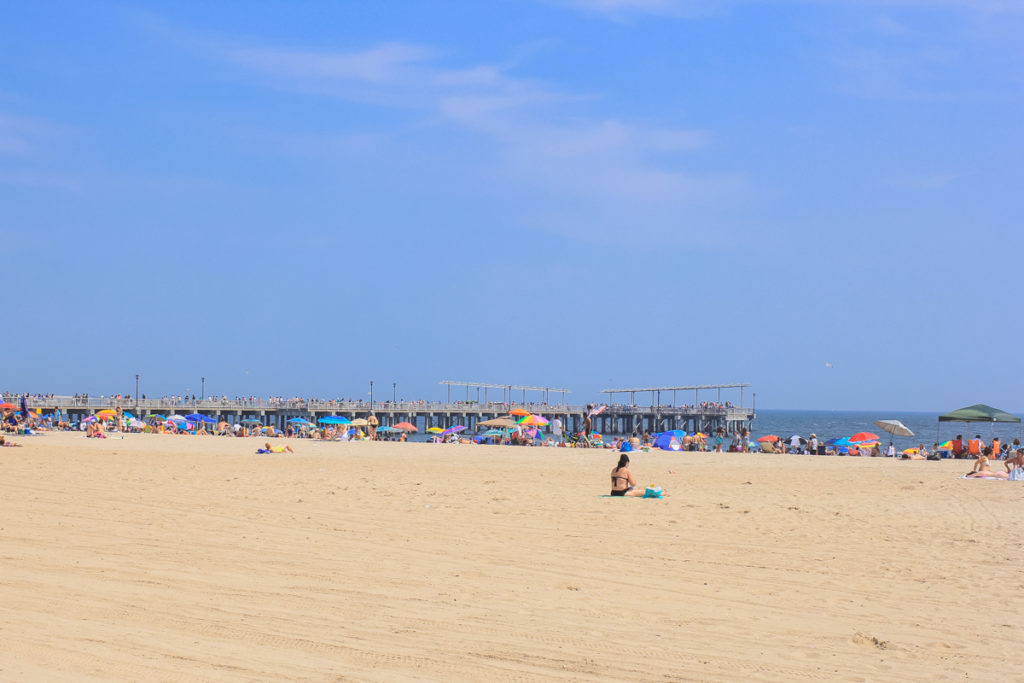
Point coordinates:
[[616, 419]]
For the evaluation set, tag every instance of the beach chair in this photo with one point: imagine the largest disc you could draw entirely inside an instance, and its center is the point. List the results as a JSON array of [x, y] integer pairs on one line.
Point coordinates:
[[974, 447], [768, 447]]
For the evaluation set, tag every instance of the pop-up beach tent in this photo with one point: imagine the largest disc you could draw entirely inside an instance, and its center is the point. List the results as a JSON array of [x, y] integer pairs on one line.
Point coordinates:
[[979, 412]]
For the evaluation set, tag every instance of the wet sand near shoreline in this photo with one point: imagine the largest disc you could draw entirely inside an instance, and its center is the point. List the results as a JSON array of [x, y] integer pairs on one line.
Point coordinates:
[[187, 558]]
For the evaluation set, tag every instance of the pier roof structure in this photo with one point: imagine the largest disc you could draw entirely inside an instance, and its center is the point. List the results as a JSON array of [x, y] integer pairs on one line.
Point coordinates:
[[506, 388], [517, 387], [695, 388], [692, 387]]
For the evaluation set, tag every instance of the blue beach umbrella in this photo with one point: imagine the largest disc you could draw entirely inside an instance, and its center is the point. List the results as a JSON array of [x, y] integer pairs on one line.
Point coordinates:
[[299, 421], [671, 440], [334, 420]]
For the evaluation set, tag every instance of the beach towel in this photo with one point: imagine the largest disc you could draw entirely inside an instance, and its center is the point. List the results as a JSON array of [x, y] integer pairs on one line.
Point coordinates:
[[1017, 474], [987, 478]]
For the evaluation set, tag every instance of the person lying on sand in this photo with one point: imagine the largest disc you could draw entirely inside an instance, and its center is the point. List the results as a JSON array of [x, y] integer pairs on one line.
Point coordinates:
[[5, 443], [278, 449], [981, 468], [623, 482]]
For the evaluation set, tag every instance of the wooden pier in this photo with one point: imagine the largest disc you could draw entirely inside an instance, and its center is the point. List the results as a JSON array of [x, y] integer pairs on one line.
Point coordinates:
[[615, 419]]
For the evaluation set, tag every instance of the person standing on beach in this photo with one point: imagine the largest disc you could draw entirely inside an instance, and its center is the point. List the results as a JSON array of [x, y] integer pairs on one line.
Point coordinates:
[[812, 445], [371, 424], [556, 429], [588, 425]]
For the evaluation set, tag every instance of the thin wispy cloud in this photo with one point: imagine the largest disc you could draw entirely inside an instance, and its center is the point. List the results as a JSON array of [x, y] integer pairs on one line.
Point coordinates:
[[19, 135], [609, 168]]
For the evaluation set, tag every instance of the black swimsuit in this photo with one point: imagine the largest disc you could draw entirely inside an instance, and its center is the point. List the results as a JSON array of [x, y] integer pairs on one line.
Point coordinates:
[[623, 491]]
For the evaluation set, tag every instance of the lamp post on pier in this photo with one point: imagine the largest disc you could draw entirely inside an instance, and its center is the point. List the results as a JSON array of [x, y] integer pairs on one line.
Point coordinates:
[[202, 391], [371, 394], [394, 392], [136, 393]]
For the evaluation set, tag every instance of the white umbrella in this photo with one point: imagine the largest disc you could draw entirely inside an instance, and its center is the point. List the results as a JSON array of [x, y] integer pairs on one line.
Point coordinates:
[[894, 427]]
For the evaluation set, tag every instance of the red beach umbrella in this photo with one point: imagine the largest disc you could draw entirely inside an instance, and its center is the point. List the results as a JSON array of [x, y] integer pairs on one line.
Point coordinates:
[[864, 436], [519, 412], [406, 427], [770, 437], [8, 406]]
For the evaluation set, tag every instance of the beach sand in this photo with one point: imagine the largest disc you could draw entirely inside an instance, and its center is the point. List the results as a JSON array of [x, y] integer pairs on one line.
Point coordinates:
[[188, 558]]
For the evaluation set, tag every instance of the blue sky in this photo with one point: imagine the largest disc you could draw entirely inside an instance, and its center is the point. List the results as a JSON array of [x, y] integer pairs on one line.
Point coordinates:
[[298, 198]]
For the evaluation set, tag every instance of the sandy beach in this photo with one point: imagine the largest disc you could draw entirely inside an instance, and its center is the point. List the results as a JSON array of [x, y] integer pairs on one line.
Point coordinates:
[[185, 558]]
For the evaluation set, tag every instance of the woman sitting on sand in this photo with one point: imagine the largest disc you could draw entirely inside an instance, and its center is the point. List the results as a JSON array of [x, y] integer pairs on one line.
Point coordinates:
[[981, 468], [623, 482]]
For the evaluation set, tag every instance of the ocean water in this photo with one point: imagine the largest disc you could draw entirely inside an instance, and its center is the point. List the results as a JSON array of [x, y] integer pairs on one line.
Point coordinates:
[[840, 423]]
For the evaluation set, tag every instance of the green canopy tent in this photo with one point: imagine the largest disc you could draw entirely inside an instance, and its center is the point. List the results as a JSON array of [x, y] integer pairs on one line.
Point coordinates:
[[979, 412]]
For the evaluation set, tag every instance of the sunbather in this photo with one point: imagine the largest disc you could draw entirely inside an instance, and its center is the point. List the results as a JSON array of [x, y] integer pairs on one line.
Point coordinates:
[[982, 469]]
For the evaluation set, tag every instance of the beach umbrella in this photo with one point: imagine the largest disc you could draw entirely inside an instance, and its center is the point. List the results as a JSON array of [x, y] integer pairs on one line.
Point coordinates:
[[136, 424], [249, 421], [453, 430], [359, 422], [910, 451], [498, 422], [8, 406], [105, 413], [519, 412], [387, 429], [665, 440], [863, 436], [493, 432], [671, 440], [175, 418], [946, 446], [769, 437], [894, 427], [406, 427], [299, 421], [154, 416], [435, 430], [334, 420], [195, 417], [91, 418]]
